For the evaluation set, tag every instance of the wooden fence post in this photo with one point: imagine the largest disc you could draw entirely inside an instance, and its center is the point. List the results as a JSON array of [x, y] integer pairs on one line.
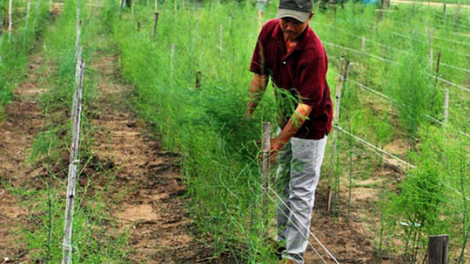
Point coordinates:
[[172, 58], [10, 22], [363, 47], [446, 106], [198, 79], [426, 27], [363, 50], [35, 16], [155, 22], [73, 166], [457, 15], [78, 12], [345, 79], [335, 121], [436, 78], [220, 40], [266, 164], [431, 36], [438, 249], [431, 58], [444, 12], [79, 30], [28, 8]]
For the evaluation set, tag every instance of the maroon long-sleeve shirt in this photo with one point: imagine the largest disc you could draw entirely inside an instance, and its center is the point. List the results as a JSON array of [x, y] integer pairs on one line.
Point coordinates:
[[302, 72]]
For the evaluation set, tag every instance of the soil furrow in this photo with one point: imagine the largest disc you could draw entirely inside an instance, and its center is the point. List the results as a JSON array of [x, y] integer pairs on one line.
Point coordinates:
[[24, 121], [152, 209]]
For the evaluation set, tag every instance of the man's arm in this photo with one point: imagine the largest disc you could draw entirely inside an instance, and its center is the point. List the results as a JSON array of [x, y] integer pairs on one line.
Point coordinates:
[[293, 125], [257, 88]]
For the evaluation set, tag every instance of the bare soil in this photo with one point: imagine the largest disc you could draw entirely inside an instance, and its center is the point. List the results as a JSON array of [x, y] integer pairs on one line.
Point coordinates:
[[24, 121], [152, 205]]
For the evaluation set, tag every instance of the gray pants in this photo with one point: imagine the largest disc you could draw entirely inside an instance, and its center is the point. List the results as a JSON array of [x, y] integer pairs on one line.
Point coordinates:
[[297, 178]]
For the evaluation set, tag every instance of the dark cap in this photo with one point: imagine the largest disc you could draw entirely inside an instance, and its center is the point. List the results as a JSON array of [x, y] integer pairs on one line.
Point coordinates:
[[298, 9]]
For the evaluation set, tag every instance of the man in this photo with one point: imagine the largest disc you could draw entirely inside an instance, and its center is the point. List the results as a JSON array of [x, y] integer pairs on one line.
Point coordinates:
[[292, 55]]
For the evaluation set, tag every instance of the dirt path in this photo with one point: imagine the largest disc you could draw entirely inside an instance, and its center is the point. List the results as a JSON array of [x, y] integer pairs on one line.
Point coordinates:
[[24, 121], [148, 189]]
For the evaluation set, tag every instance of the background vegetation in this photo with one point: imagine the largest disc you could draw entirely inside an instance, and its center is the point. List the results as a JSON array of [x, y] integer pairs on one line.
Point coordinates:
[[14, 47], [391, 99], [206, 124]]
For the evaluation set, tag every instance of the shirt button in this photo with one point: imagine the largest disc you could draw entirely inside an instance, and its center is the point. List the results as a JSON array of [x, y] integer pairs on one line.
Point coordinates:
[[284, 62]]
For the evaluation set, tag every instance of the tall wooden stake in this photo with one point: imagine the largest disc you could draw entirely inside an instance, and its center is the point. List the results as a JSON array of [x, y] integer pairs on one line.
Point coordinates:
[[363, 46], [73, 171], [335, 121], [431, 59], [444, 15], [28, 8], [10, 22], [438, 249], [266, 165], [363, 50], [198, 79], [155, 22], [435, 79], [431, 36], [456, 16], [35, 15], [220, 40], [426, 27], [196, 33], [172, 58], [446, 106], [437, 70], [345, 79], [79, 30]]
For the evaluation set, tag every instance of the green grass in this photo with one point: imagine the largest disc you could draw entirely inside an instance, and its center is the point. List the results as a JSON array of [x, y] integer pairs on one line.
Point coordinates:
[[15, 47], [218, 145], [97, 237], [205, 124]]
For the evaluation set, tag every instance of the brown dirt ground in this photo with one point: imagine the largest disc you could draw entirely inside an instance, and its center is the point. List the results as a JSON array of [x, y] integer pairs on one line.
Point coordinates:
[[152, 208], [356, 241], [24, 121]]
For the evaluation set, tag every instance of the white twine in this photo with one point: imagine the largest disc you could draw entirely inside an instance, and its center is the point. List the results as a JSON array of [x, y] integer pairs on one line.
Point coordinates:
[[310, 232]]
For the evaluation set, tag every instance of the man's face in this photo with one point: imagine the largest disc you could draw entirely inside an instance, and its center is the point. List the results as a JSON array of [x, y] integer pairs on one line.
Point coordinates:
[[292, 27]]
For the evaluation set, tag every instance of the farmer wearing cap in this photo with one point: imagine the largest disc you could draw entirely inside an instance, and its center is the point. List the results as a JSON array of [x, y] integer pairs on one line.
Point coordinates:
[[292, 56]]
